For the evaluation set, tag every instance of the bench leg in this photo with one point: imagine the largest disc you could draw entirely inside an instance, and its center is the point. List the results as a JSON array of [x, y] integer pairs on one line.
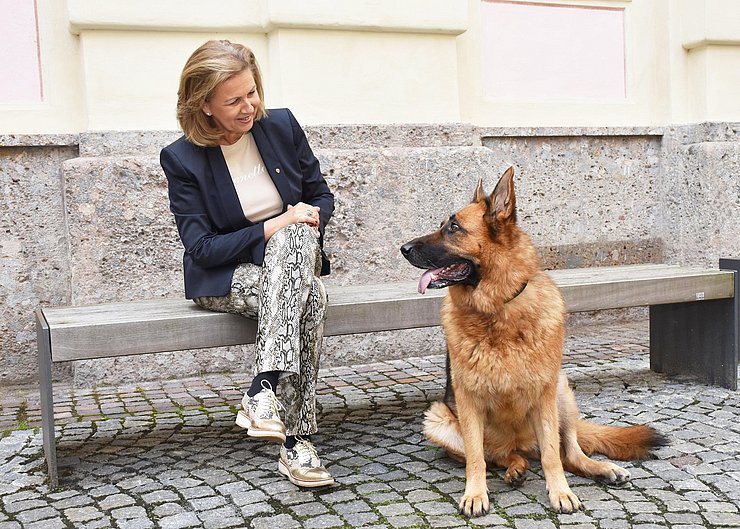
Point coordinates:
[[43, 338], [699, 338]]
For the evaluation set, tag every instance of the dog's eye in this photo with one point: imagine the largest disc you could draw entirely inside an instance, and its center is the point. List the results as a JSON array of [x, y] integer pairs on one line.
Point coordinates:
[[453, 226]]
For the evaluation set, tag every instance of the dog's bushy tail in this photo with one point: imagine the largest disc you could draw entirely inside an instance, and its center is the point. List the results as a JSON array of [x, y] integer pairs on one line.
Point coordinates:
[[622, 443], [441, 428]]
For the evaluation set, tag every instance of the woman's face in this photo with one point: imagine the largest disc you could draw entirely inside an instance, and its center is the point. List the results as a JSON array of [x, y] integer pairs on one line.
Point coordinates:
[[233, 105]]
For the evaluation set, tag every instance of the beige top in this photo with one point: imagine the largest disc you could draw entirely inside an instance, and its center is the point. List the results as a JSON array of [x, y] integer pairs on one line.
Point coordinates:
[[258, 195]]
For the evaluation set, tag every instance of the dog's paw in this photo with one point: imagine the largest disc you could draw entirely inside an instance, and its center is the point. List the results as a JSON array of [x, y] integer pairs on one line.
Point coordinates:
[[515, 476], [564, 501], [615, 475], [477, 505]]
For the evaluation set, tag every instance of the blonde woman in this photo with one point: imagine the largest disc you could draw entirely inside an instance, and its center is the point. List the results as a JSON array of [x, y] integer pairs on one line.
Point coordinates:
[[251, 207]]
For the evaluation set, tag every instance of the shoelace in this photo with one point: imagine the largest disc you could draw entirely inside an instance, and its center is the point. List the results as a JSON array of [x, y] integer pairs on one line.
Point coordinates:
[[269, 404], [306, 453]]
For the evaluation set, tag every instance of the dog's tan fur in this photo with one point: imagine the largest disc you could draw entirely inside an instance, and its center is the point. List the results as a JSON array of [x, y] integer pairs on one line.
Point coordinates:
[[511, 401]]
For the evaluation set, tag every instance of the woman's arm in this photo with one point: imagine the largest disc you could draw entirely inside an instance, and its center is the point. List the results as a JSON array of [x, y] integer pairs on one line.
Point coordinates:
[[203, 243]]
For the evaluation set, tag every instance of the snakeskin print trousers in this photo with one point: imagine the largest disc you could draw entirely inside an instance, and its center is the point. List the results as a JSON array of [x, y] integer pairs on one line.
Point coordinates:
[[288, 300]]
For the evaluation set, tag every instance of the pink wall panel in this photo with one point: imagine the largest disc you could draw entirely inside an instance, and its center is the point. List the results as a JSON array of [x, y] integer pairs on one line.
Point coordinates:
[[20, 73], [544, 51]]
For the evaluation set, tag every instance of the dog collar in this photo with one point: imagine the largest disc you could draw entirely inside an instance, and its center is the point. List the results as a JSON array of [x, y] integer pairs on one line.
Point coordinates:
[[521, 289]]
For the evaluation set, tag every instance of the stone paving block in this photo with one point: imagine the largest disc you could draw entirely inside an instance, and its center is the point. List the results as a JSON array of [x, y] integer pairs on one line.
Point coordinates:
[[281, 521], [197, 492], [533, 524], [368, 488], [159, 496], [339, 496], [128, 513], [395, 509], [252, 509], [116, 501], [167, 509], [683, 519], [179, 521], [100, 523], [509, 498], [138, 523], [525, 510], [297, 496], [72, 501], [729, 519], [350, 507], [311, 508], [434, 508], [383, 497], [248, 497], [323, 521], [404, 521], [34, 515], [604, 515], [18, 506], [614, 523], [421, 495], [637, 507], [446, 521], [54, 523], [78, 515], [207, 503], [360, 519], [217, 521]]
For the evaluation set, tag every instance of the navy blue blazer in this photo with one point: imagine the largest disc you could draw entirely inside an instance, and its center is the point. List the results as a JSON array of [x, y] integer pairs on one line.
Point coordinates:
[[216, 235]]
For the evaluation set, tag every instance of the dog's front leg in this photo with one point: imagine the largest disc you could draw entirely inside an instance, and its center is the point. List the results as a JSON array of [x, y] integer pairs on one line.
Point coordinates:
[[546, 427], [472, 420]]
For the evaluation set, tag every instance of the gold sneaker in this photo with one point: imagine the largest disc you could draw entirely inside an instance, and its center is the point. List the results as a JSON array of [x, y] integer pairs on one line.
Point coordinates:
[[260, 415], [302, 466]]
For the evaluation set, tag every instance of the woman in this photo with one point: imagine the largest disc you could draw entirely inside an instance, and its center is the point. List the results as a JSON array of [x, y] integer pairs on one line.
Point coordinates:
[[251, 207]]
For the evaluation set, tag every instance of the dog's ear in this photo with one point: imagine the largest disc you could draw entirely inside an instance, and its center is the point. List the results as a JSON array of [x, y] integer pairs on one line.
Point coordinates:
[[503, 199], [479, 195]]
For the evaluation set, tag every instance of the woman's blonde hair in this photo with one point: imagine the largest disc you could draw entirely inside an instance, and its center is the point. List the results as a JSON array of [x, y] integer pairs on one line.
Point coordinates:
[[210, 65]]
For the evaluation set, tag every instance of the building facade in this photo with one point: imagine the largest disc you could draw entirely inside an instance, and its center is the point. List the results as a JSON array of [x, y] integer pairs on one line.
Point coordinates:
[[92, 65], [622, 118]]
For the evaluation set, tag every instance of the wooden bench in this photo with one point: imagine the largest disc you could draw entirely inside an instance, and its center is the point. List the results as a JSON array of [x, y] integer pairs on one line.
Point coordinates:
[[693, 322]]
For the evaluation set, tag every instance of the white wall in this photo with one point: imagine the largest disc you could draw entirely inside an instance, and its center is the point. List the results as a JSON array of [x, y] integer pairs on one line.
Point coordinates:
[[112, 65], [62, 108]]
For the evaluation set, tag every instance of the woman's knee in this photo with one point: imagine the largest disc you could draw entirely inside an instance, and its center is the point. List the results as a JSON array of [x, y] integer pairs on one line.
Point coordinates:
[[294, 238], [300, 232]]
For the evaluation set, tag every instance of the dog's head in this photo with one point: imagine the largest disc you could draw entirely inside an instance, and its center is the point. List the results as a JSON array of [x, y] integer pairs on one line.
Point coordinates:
[[460, 251]]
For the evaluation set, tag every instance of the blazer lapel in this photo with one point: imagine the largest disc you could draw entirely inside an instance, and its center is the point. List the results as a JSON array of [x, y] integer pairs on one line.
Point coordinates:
[[272, 163], [232, 208]]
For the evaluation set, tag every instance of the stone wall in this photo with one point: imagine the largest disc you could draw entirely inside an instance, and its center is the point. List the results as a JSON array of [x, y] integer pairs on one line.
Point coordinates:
[[34, 253], [700, 206], [86, 219]]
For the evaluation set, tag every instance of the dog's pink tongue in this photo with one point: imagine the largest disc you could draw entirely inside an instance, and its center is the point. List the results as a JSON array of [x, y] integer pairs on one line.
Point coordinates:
[[426, 278]]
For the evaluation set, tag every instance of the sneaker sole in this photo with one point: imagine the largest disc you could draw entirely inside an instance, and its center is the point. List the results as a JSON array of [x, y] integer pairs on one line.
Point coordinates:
[[285, 471], [266, 435]]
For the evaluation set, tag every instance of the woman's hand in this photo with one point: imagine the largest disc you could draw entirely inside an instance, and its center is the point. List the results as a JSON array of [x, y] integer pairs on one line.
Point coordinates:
[[300, 213]]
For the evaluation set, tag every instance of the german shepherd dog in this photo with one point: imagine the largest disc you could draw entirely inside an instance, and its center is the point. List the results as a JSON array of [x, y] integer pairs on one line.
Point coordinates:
[[504, 322]]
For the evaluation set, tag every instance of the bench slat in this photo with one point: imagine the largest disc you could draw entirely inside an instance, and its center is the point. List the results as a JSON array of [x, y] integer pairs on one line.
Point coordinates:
[[116, 329], [640, 285]]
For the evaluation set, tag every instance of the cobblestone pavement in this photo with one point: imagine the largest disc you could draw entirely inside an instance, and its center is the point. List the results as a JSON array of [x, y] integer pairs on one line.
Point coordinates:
[[168, 454]]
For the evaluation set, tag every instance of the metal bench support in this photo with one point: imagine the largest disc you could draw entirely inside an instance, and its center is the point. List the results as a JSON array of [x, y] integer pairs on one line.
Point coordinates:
[[43, 335], [698, 338]]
